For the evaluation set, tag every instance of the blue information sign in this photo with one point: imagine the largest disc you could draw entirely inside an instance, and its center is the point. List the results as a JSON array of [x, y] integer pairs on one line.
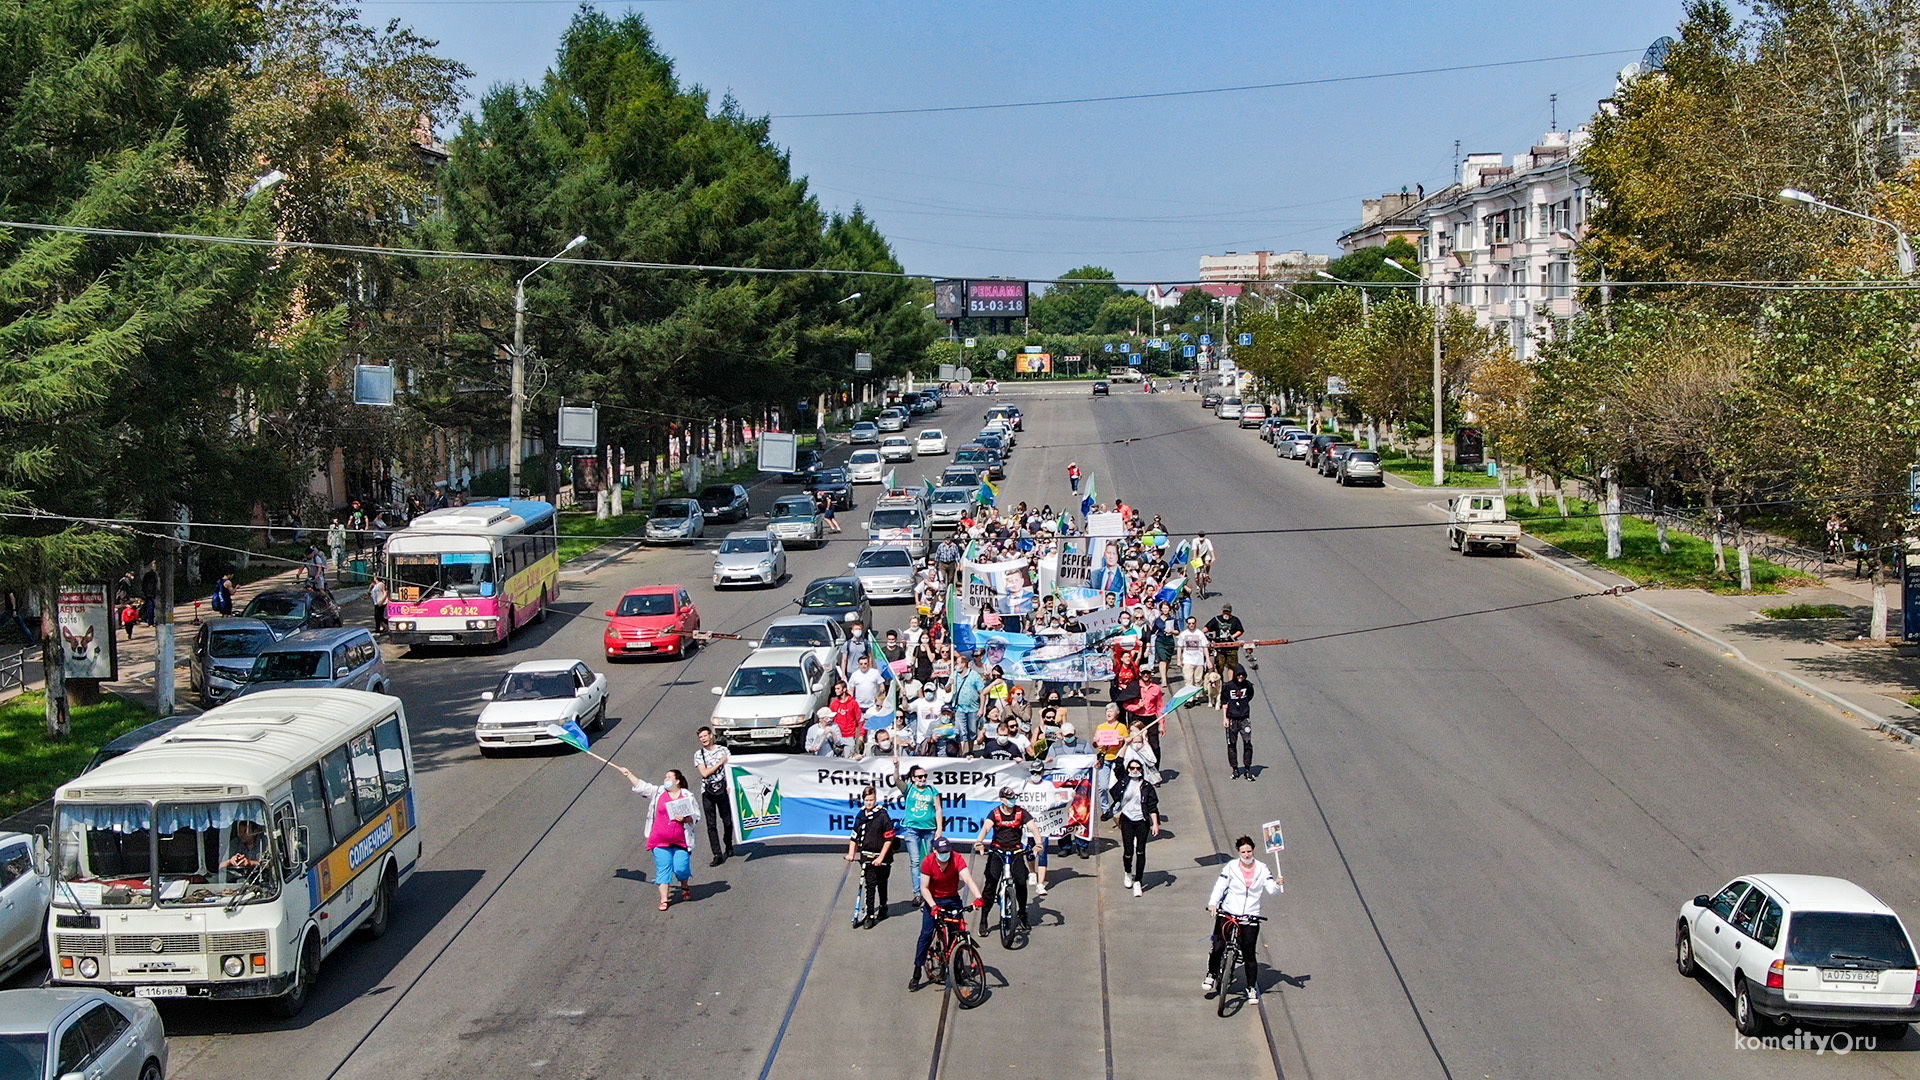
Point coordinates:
[[1109, 346], [1187, 350], [1134, 360], [1246, 339], [1124, 347], [1206, 339], [1186, 337]]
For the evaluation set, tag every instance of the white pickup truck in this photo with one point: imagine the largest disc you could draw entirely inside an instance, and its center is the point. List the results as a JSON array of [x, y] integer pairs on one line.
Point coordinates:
[[1481, 521]]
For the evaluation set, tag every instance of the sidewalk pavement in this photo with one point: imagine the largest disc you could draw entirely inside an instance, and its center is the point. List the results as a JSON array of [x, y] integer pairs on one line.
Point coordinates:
[[1827, 659]]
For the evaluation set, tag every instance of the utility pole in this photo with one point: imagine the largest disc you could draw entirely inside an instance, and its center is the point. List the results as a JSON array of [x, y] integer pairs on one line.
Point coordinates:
[[1439, 432], [163, 642], [516, 452]]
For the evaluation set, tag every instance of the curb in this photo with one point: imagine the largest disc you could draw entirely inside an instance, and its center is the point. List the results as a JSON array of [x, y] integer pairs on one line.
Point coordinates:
[[1827, 697]]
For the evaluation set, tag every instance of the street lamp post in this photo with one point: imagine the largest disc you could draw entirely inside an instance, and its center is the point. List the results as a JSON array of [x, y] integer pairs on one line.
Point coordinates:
[[1439, 430], [515, 422], [1903, 250]]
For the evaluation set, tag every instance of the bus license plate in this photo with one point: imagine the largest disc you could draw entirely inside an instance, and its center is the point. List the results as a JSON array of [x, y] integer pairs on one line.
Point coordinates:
[[159, 991], [439, 637]]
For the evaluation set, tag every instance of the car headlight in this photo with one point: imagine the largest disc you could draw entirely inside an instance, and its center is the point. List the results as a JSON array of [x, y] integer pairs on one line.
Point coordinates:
[[791, 721], [233, 966], [89, 968]]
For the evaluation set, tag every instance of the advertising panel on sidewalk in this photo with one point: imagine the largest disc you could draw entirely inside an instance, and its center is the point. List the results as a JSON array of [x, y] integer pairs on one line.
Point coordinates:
[[1033, 364], [782, 795], [85, 617]]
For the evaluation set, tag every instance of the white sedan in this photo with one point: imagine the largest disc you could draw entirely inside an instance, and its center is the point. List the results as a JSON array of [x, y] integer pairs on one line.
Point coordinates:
[[931, 441], [538, 693]]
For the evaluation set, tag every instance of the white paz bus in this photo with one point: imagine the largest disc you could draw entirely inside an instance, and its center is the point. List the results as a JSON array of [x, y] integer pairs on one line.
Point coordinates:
[[228, 857]]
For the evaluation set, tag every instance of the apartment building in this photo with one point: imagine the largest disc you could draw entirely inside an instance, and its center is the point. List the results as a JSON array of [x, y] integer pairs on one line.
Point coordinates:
[[1501, 240], [1260, 265]]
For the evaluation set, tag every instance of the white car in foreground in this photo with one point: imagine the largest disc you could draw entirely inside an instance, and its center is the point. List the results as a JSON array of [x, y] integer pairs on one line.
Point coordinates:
[[931, 441], [1798, 948], [535, 694]]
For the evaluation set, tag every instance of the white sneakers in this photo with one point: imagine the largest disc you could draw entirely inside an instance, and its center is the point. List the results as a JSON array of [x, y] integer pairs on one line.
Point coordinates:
[[1040, 889], [1136, 888], [1207, 985], [1126, 881], [1033, 880], [1253, 997]]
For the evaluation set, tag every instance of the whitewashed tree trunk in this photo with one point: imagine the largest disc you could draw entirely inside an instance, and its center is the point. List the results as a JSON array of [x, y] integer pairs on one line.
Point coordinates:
[[1746, 568], [1660, 528], [1877, 627], [1612, 519]]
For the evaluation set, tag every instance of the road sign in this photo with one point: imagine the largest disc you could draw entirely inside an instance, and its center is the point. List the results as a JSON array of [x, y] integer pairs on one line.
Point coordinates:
[[1134, 360], [778, 452], [1336, 386], [1000, 354], [1188, 351], [1070, 359], [372, 384], [1186, 337], [1109, 346], [970, 342], [1031, 349], [578, 426], [964, 374], [1125, 347], [1246, 339], [1206, 339], [863, 361], [946, 373]]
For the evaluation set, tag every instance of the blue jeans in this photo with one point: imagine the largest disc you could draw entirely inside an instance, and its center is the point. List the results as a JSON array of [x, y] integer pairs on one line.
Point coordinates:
[[968, 721], [1103, 784], [918, 841]]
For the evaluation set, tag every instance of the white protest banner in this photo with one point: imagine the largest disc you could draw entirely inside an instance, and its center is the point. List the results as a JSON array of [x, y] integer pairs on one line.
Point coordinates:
[[1070, 811], [1093, 622], [1109, 524], [780, 795]]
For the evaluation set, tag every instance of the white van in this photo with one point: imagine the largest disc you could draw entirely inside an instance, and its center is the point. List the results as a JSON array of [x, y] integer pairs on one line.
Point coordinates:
[[228, 857]]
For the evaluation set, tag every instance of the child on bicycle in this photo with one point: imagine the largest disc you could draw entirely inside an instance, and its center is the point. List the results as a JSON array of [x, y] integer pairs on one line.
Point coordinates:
[[872, 845], [1237, 892]]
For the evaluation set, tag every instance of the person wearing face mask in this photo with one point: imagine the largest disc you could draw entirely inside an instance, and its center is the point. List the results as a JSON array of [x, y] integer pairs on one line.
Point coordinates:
[[925, 711], [858, 645], [1237, 892], [941, 874], [710, 761], [1006, 829], [872, 846], [883, 742], [1136, 808], [671, 814]]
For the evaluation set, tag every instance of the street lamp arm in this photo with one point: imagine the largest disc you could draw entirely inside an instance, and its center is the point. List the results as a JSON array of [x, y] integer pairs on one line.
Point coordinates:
[[542, 264], [1903, 248]]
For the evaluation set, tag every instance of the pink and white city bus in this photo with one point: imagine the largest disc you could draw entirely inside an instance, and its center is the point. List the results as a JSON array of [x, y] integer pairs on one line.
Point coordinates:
[[469, 575]]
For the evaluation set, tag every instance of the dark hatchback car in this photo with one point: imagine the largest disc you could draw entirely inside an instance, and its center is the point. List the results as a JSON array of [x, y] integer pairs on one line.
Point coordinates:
[[1330, 457], [833, 483], [1318, 447], [1210, 399], [223, 653], [842, 599], [724, 502], [288, 610], [1101, 389], [805, 464]]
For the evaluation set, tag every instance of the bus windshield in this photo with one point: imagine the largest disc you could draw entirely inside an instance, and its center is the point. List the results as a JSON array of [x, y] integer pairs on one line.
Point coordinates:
[[429, 575], [187, 854], [896, 519]]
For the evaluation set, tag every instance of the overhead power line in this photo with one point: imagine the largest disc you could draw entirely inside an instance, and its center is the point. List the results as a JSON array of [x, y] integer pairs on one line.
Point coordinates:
[[1288, 84]]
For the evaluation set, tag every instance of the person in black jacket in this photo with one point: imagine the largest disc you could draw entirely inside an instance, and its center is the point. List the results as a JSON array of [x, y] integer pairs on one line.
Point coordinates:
[[873, 844], [1236, 715], [1136, 808]]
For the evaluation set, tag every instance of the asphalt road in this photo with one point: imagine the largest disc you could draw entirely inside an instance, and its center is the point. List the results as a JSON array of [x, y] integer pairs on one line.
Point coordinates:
[[1490, 824]]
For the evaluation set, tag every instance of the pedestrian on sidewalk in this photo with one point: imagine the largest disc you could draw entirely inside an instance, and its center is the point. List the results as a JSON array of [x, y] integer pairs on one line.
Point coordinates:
[[671, 810], [222, 602], [129, 618], [1137, 811], [1236, 716], [337, 544], [710, 761], [150, 594], [316, 568], [377, 595]]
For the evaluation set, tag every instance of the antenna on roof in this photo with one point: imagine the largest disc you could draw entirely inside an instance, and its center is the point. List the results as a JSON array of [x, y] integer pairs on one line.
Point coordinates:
[[1553, 112], [1456, 155]]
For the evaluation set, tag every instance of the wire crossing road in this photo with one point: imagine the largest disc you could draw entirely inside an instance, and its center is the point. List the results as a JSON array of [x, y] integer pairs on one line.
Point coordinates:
[[1491, 822]]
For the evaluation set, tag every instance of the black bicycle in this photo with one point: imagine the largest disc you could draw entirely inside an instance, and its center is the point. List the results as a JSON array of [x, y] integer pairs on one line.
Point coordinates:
[[953, 958], [1230, 957], [1008, 906]]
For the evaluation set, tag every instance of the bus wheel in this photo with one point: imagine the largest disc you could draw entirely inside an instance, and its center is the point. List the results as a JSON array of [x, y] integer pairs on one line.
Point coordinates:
[[545, 602], [381, 916], [291, 1003]]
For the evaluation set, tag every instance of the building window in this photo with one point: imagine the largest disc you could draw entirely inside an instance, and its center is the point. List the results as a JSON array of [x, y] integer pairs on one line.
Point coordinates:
[[1559, 278]]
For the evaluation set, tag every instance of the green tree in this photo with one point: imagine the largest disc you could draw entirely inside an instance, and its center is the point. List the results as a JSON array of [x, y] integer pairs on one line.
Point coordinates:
[[1074, 308]]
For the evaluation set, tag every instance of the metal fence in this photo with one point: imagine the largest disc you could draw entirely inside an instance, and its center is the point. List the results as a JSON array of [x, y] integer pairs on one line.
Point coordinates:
[[1696, 521], [13, 668]]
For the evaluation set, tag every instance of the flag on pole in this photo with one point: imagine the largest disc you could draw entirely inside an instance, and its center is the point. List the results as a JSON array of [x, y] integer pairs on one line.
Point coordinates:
[[887, 480], [1185, 694], [929, 482], [569, 733], [1087, 504], [987, 491]]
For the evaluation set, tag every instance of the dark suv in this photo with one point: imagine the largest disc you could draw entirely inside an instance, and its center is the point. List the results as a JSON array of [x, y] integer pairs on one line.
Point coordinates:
[[288, 610], [724, 502], [806, 463], [1317, 447]]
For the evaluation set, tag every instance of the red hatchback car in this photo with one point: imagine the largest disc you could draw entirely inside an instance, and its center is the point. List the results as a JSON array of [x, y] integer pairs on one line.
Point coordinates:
[[653, 620]]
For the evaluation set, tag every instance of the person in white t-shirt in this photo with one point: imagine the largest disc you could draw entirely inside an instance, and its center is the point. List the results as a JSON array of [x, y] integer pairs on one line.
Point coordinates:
[[866, 683], [1192, 643]]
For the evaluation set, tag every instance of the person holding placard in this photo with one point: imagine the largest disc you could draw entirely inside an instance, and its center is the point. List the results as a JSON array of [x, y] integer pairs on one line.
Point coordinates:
[[671, 813]]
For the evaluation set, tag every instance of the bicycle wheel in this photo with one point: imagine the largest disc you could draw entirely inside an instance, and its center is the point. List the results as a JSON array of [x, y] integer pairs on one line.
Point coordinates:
[[1229, 962], [967, 975], [1008, 919], [937, 958]]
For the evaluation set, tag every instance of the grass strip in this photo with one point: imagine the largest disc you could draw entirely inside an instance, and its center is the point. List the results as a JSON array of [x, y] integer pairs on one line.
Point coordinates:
[[32, 765], [1690, 566]]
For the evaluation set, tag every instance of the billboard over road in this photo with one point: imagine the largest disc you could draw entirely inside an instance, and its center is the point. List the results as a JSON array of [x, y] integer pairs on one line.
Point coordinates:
[[950, 299], [997, 299]]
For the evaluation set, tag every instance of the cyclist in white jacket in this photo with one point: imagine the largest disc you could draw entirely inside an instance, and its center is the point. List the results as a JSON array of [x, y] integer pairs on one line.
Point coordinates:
[[1237, 892]]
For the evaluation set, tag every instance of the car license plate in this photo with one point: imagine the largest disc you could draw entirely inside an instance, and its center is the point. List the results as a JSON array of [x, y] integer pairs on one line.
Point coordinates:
[[1848, 975], [639, 645], [439, 637], [526, 737], [159, 991]]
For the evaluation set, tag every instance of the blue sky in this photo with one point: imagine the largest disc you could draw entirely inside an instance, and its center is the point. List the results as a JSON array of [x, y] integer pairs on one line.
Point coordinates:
[[1141, 187]]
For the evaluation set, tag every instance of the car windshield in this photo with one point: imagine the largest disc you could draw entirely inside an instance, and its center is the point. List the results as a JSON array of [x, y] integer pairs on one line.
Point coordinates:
[[716, 496], [797, 636], [833, 476], [1363, 455], [895, 519], [931, 434], [886, 556], [863, 426], [766, 682], [276, 608], [792, 508], [107, 855], [677, 510], [864, 457], [645, 604], [737, 544], [534, 686], [1839, 938], [946, 496], [1231, 401], [832, 594], [237, 644], [23, 1056], [972, 455], [290, 665]]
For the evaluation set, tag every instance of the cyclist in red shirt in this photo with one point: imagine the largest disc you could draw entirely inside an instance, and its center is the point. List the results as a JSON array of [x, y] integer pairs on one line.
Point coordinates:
[[941, 874]]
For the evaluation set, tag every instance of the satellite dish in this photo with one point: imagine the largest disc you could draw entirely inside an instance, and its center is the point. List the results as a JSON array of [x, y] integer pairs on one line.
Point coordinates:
[[1656, 55]]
